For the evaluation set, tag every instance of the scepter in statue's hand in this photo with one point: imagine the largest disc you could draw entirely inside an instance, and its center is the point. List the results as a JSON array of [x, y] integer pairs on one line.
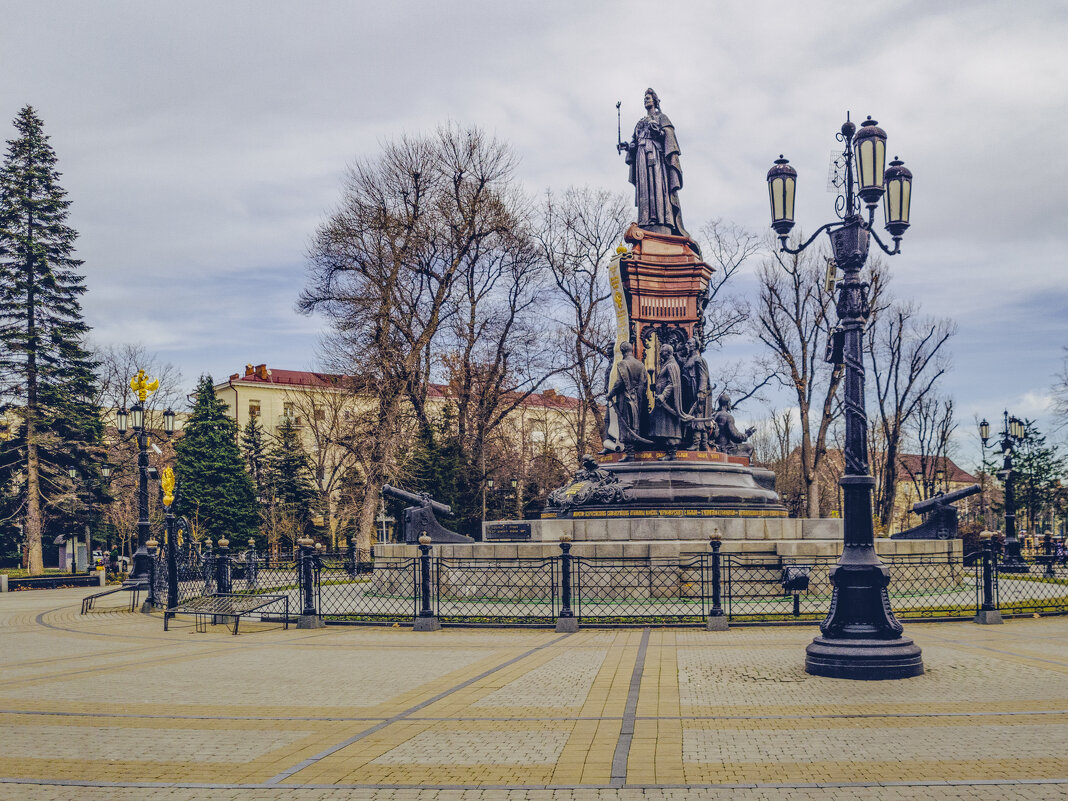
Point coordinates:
[[620, 145]]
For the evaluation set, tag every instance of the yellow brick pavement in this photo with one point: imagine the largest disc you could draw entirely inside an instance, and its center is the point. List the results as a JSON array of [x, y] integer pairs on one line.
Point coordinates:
[[108, 706]]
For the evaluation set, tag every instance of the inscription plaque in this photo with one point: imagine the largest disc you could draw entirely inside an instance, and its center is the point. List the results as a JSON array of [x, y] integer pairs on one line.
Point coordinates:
[[508, 531]]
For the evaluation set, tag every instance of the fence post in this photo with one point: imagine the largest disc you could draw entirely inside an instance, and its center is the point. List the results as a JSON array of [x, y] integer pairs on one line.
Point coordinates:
[[566, 623], [172, 562], [309, 617], [716, 620], [987, 614], [150, 602], [425, 620], [351, 566], [222, 566], [250, 564]]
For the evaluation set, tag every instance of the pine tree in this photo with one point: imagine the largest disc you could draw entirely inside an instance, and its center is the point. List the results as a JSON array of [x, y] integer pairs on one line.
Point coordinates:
[[1039, 469], [259, 459], [293, 488], [440, 467], [216, 491], [46, 372]]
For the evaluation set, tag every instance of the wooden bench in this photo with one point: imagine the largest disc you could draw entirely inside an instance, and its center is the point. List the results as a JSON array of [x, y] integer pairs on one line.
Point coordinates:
[[208, 608]]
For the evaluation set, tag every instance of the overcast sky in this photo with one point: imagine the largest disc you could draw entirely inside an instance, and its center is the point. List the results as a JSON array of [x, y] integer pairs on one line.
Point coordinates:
[[202, 143]]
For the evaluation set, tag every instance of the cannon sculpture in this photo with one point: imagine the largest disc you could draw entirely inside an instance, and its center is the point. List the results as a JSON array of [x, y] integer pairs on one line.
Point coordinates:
[[420, 519], [941, 520]]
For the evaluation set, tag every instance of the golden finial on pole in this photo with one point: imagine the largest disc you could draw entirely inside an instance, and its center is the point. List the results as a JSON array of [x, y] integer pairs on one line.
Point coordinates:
[[142, 385], [167, 482]]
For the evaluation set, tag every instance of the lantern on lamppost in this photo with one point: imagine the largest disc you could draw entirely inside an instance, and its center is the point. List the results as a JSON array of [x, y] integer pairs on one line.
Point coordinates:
[[1013, 433], [782, 181], [860, 638]]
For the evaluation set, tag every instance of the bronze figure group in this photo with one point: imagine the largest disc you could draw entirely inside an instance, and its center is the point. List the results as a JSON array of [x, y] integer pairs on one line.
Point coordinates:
[[682, 414]]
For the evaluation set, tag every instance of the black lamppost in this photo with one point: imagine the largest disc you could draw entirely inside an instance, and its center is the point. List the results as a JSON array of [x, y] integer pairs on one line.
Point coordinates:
[[105, 474], [984, 435], [860, 638], [1012, 434], [140, 570]]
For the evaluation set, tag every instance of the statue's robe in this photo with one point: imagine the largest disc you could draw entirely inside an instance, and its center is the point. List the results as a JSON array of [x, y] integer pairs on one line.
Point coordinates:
[[665, 421], [655, 171], [627, 394]]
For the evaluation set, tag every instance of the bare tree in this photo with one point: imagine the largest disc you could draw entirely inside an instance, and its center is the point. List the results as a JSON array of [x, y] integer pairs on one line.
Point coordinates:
[[120, 363], [775, 446], [907, 358], [493, 354], [383, 269], [794, 318], [576, 236], [329, 415]]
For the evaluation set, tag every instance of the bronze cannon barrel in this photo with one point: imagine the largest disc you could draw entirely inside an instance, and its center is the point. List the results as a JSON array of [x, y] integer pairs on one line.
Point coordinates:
[[417, 500], [922, 507]]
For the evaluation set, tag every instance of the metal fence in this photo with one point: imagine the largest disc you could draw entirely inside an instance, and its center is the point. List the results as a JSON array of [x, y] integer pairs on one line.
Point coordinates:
[[353, 587]]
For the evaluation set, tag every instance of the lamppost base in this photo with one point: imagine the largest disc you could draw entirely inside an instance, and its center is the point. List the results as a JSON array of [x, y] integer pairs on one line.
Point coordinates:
[[567, 625], [147, 608], [864, 660], [716, 623], [988, 617], [429, 623], [310, 622]]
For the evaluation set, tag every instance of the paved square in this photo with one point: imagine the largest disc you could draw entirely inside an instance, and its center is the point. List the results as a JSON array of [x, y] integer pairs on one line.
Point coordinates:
[[109, 706]]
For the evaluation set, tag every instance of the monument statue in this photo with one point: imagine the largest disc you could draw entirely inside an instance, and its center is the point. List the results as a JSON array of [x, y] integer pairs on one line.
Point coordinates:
[[666, 450], [626, 396], [728, 438], [696, 394], [653, 156], [667, 418]]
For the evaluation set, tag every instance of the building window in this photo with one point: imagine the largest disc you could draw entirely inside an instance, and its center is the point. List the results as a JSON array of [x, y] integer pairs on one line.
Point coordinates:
[[253, 408], [287, 410], [320, 414]]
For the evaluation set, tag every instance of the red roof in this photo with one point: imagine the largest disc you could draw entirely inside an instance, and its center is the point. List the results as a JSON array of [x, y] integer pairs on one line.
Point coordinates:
[[910, 464], [260, 374]]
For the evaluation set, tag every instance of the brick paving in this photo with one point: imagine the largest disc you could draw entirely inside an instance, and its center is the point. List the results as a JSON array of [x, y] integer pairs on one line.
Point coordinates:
[[109, 706]]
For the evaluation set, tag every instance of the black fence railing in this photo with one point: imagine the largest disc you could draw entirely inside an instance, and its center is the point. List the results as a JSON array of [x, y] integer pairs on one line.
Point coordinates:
[[354, 587]]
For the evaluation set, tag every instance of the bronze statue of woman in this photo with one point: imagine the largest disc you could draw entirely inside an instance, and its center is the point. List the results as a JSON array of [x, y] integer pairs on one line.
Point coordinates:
[[653, 156]]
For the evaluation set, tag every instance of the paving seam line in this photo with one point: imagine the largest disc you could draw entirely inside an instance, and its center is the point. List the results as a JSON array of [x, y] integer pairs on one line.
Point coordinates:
[[304, 763], [858, 715], [591, 787], [626, 728]]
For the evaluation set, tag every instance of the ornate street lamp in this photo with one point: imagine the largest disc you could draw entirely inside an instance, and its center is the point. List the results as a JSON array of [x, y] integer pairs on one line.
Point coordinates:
[[141, 569], [860, 638], [1013, 432]]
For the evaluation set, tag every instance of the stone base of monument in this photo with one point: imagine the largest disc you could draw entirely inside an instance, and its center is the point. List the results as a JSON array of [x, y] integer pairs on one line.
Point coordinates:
[[693, 484]]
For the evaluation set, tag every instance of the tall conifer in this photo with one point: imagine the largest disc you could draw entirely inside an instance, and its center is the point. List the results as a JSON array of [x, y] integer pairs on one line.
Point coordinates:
[[217, 491], [47, 374], [293, 477]]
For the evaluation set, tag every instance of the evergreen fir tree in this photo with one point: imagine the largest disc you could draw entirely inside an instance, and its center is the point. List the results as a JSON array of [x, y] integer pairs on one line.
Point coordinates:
[[1039, 469], [293, 488], [257, 453], [259, 459], [440, 467], [47, 374], [217, 492]]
